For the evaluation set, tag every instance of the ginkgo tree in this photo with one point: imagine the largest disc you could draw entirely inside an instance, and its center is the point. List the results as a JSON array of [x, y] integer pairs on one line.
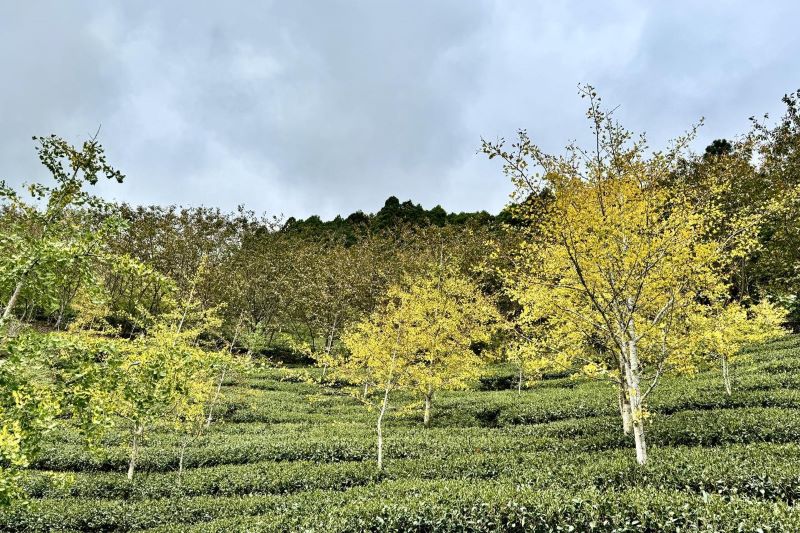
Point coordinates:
[[721, 334], [58, 228], [50, 232], [379, 354], [166, 375], [613, 263], [450, 324], [423, 338], [29, 407]]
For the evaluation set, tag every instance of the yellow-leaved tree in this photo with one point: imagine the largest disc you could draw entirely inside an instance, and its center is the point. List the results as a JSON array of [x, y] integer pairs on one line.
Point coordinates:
[[378, 355], [721, 334], [614, 266], [425, 337], [450, 324]]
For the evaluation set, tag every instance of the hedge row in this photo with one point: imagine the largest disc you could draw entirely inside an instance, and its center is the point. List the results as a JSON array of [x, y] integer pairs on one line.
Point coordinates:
[[769, 472], [416, 506], [352, 442]]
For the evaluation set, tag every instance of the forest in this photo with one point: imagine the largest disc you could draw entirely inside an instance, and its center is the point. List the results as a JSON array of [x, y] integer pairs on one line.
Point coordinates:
[[613, 351]]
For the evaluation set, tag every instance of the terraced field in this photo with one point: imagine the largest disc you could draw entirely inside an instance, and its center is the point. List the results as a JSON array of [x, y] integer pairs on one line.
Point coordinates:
[[291, 456]]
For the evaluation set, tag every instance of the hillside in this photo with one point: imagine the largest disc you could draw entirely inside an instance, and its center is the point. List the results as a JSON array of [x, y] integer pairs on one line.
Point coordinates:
[[289, 455]]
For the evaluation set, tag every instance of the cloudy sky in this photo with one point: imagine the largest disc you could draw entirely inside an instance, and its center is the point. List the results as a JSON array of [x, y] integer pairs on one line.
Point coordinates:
[[301, 107]]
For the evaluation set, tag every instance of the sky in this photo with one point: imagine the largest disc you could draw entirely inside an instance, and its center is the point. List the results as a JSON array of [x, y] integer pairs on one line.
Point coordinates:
[[327, 107]]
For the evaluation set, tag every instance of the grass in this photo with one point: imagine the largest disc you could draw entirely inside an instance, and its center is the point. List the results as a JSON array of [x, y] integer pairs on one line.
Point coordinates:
[[290, 456]]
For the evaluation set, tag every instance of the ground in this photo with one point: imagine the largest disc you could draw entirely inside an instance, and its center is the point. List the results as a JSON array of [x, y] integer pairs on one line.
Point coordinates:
[[288, 455]]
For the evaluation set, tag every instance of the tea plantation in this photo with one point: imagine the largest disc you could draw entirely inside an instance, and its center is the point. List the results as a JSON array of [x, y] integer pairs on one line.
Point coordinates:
[[291, 456]]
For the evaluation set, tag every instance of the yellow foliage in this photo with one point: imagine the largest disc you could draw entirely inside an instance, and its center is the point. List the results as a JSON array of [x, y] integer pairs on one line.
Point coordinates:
[[726, 329], [424, 336], [615, 260]]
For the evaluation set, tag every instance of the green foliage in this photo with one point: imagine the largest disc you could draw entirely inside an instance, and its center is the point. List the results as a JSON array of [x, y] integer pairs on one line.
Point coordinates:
[[393, 216], [60, 231], [553, 457]]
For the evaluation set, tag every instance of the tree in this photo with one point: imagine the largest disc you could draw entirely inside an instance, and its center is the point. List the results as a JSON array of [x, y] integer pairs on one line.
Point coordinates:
[[615, 267], [722, 333], [56, 238], [449, 322], [29, 407], [777, 151], [53, 232], [528, 352], [379, 352], [163, 374], [165, 379], [423, 337], [348, 282], [748, 190], [175, 241]]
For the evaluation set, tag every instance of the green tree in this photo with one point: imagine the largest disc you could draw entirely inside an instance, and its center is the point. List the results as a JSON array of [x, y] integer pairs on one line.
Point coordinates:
[[60, 232], [48, 236], [720, 334]]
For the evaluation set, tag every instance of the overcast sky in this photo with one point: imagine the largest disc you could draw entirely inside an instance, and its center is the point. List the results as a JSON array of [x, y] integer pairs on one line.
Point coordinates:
[[327, 107]]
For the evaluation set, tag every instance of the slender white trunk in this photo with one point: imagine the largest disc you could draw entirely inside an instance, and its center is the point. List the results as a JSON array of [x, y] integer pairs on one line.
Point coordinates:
[[180, 459], [366, 390], [382, 412], [426, 417], [329, 347], [216, 396], [625, 408], [61, 310], [635, 397], [222, 376], [134, 452], [189, 301], [329, 343], [726, 375], [385, 403], [519, 381], [639, 440], [12, 302]]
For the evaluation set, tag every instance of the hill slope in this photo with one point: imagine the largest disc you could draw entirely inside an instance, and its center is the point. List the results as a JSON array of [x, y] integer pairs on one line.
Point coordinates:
[[289, 456]]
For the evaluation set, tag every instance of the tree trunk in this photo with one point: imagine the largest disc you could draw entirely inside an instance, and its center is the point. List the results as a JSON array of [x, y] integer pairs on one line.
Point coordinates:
[[27, 315], [726, 375], [639, 440], [382, 412], [60, 315], [134, 452], [329, 340], [625, 408], [635, 398], [216, 396], [366, 390], [311, 336], [329, 347], [519, 381], [12, 302], [426, 416]]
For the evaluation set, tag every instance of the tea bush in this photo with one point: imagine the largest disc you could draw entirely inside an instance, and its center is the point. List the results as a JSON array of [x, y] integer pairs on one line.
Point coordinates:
[[288, 455]]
